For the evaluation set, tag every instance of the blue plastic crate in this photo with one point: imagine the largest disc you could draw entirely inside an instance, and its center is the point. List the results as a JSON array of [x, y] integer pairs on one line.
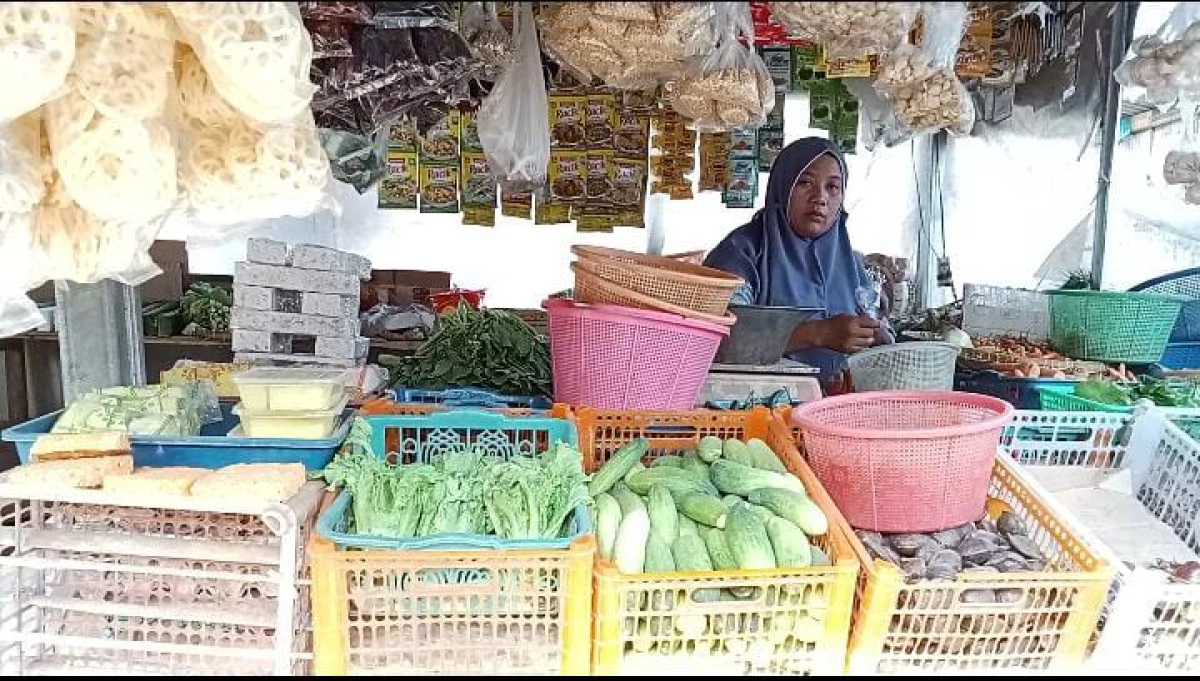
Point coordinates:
[[1021, 393], [210, 449], [420, 438], [1181, 356], [467, 397]]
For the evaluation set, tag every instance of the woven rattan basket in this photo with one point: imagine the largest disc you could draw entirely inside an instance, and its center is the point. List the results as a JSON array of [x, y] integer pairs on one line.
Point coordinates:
[[678, 283]]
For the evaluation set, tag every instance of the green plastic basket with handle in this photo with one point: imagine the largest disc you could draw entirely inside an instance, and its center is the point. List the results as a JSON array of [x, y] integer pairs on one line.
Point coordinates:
[[1108, 326]]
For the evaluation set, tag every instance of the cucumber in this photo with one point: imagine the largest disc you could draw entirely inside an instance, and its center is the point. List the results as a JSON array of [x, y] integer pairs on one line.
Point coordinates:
[[704, 509], [608, 519], [617, 466], [764, 457], [709, 449], [658, 554], [788, 543], [678, 481], [668, 460], [796, 507], [748, 540], [664, 518], [735, 478], [691, 462], [737, 452], [626, 499]]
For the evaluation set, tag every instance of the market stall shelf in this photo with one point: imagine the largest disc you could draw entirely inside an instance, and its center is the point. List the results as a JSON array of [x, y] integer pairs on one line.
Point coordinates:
[[794, 620], [94, 583], [1152, 622]]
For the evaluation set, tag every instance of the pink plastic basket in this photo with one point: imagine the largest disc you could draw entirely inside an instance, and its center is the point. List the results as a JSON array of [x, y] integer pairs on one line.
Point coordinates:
[[612, 357], [905, 461]]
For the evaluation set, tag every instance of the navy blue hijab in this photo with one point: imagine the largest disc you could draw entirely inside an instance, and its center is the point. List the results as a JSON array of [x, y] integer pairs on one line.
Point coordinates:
[[782, 268]]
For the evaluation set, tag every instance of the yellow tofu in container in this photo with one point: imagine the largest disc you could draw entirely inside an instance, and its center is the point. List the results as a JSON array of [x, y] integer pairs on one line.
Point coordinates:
[[292, 425], [291, 403]]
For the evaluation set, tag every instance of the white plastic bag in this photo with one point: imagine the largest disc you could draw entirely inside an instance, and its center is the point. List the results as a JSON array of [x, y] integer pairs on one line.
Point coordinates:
[[919, 82], [513, 126], [730, 87], [848, 30], [258, 54], [37, 46], [18, 313], [108, 134], [22, 167]]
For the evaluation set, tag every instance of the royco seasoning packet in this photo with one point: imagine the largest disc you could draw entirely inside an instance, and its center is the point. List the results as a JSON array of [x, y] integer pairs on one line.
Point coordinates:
[[629, 190], [398, 188], [597, 214], [567, 115], [770, 143], [478, 190], [440, 145], [546, 211], [516, 203], [470, 130], [402, 136], [600, 119], [568, 173], [439, 188]]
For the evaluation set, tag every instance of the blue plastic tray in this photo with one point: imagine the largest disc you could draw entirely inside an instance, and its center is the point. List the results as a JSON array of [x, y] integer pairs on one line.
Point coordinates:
[[210, 449], [467, 397], [423, 437], [1021, 393]]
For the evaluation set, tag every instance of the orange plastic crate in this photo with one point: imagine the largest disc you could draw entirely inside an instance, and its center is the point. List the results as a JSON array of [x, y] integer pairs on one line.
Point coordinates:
[[798, 619], [451, 612], [1044, 623]]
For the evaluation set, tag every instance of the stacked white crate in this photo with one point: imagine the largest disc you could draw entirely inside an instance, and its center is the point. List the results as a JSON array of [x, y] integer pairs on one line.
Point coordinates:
[[182, 586], [1151, 626], [283, 292]]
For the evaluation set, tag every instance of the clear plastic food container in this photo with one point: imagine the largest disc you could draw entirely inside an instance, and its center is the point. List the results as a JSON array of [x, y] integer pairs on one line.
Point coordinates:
[[317, 424], [290, 389]]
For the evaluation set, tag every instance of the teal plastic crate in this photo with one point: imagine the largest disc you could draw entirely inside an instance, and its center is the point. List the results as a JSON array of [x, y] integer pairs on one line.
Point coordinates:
[[417, 439]]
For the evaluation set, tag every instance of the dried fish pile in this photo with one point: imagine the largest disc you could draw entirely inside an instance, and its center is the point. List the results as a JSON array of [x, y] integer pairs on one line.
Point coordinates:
[[983, 546]]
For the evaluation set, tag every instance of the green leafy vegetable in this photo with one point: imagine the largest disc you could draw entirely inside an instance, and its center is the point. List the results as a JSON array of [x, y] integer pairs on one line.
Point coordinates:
[[460, 491], [1162, 393], [489, 349]]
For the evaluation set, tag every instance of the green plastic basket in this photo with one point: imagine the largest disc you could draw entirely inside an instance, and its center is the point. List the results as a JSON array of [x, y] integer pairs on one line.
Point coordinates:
[[1108, 326], [1059, 398]]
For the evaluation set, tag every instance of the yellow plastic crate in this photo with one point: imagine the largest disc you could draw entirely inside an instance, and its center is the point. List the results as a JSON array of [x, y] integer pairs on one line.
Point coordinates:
[[1044, 623], [451, 612], [796, 621]]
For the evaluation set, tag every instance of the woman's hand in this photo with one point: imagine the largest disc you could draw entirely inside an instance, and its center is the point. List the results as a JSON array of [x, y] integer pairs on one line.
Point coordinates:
[[843, 333]]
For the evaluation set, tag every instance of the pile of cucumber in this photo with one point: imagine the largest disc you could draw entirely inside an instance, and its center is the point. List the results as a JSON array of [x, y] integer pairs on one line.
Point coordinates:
[[727, 505]]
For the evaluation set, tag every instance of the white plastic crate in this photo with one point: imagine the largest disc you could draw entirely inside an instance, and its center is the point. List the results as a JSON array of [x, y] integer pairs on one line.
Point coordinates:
[[1150, 625], [91, 583], [999, 311]]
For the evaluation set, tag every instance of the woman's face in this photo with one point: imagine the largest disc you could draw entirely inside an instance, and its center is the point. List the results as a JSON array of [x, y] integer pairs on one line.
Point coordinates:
[[816, 199]]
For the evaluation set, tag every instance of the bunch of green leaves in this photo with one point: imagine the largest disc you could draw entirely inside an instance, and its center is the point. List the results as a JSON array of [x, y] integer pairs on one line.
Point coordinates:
[[488, 349], [533, 497], [464, 491], [205, 309], [1161, 392], [1078, 280]]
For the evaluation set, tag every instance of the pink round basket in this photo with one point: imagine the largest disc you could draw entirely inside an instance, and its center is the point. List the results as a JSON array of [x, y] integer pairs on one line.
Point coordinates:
[[905, 461], [612, 357]]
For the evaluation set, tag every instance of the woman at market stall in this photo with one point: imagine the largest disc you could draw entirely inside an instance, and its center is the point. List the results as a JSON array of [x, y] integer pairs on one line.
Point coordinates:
[[796, 251]]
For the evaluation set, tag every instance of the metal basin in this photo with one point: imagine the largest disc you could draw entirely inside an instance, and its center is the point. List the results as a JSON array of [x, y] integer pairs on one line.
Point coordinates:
[[760, 336]]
